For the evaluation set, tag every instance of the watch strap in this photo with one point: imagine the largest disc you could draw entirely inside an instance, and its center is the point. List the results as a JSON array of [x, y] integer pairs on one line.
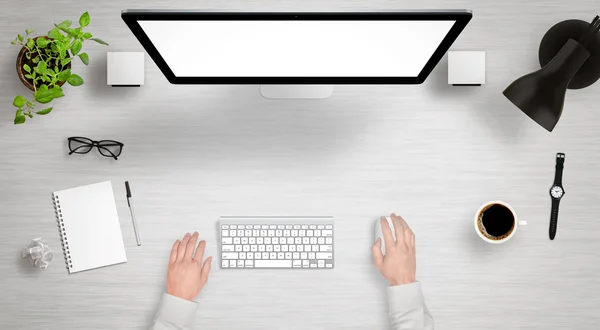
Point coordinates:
[[560, 164], [554, 218]]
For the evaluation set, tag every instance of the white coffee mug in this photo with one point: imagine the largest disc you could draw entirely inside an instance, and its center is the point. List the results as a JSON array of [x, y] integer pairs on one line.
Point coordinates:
[[512, 233]]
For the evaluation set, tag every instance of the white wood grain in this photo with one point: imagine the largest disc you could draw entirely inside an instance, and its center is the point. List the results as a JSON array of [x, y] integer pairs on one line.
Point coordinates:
[[432, 153]]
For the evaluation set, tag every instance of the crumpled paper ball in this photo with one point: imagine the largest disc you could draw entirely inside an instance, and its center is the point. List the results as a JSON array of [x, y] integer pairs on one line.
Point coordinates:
[[38, 253]]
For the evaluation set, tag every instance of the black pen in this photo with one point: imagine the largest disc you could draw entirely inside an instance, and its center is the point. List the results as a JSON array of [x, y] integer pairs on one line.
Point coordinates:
[[130, 204]]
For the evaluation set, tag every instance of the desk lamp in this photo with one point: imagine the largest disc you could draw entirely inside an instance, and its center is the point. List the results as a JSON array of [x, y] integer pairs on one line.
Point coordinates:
[[570, 58]]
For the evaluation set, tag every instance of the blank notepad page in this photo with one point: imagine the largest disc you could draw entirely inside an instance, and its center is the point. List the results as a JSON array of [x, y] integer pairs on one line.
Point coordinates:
[[89, 226]]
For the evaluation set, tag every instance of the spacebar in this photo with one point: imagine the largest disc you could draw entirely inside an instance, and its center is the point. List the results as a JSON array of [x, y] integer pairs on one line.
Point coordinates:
[[272, 264]]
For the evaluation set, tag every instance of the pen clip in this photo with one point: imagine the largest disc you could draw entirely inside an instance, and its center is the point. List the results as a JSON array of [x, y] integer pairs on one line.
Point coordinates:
[[128, 190]]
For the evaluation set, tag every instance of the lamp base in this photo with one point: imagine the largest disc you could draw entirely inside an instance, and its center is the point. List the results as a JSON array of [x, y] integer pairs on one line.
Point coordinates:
[[556, 38]]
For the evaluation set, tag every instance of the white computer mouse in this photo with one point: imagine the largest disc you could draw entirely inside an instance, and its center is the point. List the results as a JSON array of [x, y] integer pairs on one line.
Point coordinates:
[[379, 232]]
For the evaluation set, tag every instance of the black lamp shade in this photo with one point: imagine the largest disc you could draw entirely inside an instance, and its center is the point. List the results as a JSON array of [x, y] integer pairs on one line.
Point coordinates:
[[541, 94]]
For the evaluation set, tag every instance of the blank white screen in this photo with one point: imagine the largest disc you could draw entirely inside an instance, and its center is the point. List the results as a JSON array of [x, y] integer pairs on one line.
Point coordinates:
[[296, 48]]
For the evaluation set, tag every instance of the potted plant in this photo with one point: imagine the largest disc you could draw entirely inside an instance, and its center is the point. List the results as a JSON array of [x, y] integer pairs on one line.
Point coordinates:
[[44, 64]]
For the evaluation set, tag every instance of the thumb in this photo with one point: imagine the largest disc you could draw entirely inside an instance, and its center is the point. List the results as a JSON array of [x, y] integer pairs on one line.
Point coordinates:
[[377, 255]]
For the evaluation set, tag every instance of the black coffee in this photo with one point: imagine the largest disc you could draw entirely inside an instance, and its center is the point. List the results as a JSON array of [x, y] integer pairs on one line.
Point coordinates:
[[497, 220]]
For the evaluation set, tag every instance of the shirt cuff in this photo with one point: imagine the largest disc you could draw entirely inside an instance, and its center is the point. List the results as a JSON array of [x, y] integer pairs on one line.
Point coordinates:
[[403, 297], [177, 311]]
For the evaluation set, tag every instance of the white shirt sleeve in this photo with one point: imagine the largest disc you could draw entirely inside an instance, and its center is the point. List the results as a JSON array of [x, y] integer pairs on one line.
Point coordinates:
[[174, 314], [407, 308]]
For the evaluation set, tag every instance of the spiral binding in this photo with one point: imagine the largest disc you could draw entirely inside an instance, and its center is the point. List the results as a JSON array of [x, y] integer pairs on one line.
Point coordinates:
[[62, 232]]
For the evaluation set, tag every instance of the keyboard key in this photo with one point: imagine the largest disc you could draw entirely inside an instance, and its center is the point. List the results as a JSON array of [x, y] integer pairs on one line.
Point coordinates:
[[281, 255], [260, 240], [288, 226], [307, 248], [261, 248], [317, 233], [245, 240], [295, 255], [294, 233], [267, 240], [285, 248], [273, 227], [311, 256], [225, 263], [305, 240], [296, 226], [264, 227], [325, 248], [226, 240], [245, 248], [225, 227], [273, 255], [257, 255], [327, 233], [252, 240], [248, 233], [271, 233], [269, 248], [320, 227], [280, 227], [304, 227], [229, 255], [256, 227], [236, 240], [277, 248], [328, 265], [315, 248], [321, 263], [312, 226], [242, 255], [313, 240], [241, 227], [328, 240], [253, 248], [240, 233], [232, 233], [328, 226], [240, 263], [238, 248], [256, 233], [232, 263], [265, 255], [299, 248], [249, 263], [227, 248], [263, 233], [272, 264], [303, 255], [279, 233], [288, 255], [232, 226], [297, 263], [305, 264], [291, 248], [275, 240], [224, 233], [290, 240], [322, 255], [310, 233], [286, 233], [302, 233], [297, 240], [321, 240], [313, 265], [250, 255]]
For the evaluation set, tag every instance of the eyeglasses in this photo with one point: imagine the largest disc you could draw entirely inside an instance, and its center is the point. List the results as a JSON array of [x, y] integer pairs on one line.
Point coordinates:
[[107, 148]]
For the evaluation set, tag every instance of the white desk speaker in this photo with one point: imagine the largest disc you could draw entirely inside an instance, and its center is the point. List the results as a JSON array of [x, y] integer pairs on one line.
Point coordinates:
[[466, 68], [125, 69]]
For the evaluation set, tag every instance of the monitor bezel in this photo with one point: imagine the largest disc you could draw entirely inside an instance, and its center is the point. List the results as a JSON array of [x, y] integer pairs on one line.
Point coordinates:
[[460, 17]]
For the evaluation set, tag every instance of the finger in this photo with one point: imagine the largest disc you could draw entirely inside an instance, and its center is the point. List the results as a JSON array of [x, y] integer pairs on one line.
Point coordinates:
[[377, 255], [174, 252], [399, 229], [206, 269], [408, 233], [182, 246], [387, 234], [191, 246], [200, 251]]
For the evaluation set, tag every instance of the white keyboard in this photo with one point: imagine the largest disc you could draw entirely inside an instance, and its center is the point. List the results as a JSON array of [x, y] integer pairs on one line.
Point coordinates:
[[276, 242]]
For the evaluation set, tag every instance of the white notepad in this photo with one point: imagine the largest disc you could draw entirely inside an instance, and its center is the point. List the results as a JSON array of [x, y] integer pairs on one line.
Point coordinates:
[[89, 227]]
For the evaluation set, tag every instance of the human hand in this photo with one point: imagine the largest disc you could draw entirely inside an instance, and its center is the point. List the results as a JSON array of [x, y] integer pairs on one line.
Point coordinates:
[[187, 274], [399, 265]]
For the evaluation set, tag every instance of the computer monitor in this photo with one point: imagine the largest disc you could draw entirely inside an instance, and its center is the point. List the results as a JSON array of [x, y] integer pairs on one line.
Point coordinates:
[[284, 51]]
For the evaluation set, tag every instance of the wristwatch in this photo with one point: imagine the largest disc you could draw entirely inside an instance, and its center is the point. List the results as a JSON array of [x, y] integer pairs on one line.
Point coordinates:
[[556, 193]]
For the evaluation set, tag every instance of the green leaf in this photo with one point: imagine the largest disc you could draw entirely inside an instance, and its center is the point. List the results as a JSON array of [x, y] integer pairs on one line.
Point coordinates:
[[41, 67], [84, 20], [19, 118], [20, 37], [27, 68], [30, 43], [76, 47], [87, 35], [69, 31], [14, 42], [28, 76], [64, 75], [36, 59], [100, 41], [42, 42], [44, 112], [84, 58], [29, 114], [57, 91], [43, 95], [55, 34], [65, 61], [29, 31], [75, 80], [19, 101], [65, 24]]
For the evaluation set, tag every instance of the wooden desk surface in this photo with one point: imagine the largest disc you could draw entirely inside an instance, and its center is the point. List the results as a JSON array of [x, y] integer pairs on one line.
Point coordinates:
[[432, 153]]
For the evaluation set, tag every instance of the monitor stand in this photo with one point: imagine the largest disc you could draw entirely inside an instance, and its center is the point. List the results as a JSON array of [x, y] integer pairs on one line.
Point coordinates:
[[298, 92]]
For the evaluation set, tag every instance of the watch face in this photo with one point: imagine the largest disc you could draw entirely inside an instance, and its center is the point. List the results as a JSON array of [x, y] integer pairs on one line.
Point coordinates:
[[556, 192]]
